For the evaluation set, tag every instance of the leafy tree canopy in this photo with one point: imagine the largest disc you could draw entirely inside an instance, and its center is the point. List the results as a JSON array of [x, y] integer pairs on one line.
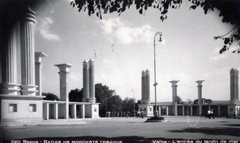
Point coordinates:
[[229, 11], [50, 96]]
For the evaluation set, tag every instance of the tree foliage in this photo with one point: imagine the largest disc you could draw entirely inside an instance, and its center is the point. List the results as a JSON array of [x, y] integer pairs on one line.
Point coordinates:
[[179, 100], [204, 101], [50, 96], [76, 95], [229, 11]]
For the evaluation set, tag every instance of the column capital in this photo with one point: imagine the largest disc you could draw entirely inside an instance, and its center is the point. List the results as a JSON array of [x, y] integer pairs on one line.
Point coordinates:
[[63, 67], [28, 15], [39, 56], [174, 82], [199, 82]]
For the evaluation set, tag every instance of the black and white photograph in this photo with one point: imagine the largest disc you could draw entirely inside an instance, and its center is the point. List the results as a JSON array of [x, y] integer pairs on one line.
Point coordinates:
[[119, 71]]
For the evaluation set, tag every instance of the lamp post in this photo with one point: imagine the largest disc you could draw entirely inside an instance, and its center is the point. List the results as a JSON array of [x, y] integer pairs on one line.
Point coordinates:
[[155, 82], [133, 102]]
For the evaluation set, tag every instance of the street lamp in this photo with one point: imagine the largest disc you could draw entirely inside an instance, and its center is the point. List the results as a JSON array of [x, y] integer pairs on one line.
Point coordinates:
[[155, 82], [133, 102]]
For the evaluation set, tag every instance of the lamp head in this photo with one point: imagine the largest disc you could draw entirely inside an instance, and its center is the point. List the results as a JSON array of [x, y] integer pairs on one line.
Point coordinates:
[[160, 39]]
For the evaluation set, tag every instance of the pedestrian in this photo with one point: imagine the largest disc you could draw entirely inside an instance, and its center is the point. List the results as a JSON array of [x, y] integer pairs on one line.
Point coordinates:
[[208, 114], [211, 115], [138, 114]]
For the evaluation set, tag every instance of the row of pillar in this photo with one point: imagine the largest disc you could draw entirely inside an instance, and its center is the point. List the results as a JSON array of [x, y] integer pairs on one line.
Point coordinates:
[[30, 61], [88, 81], [145, 80], [174, 95]]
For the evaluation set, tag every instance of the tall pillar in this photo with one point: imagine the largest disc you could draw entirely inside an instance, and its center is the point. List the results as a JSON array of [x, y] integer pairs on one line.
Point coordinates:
[[85, 81], [234, 85], [63, 73], [174, 90], [147, 87], [174, 94], [27, 52], [38, 71], [9, 65], [199, 82], [143, 86], [91, 82]]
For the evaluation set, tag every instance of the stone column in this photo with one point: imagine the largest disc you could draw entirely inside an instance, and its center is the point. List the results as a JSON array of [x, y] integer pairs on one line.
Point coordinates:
[[27, 52], [234, 85], [174, 94], [55, 110], [85, 81], [147, 88], [9, 65], [183, 110], [191, 110], [159, 110], [38, 71], [63, 73], [91, 82], [199, 82], [143, 86], [167, 110]]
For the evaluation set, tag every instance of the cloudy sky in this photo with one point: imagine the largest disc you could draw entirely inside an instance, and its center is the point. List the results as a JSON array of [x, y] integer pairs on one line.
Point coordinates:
[[122, 46]]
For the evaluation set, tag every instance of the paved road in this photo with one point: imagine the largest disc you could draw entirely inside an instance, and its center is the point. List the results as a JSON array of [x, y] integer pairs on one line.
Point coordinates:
[[127, 130]]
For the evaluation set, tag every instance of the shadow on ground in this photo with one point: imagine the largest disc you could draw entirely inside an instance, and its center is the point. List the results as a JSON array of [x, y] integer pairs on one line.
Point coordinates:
[[212, 131]]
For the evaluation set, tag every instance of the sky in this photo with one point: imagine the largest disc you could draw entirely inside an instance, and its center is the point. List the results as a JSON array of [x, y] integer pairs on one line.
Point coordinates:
[[122, 47]]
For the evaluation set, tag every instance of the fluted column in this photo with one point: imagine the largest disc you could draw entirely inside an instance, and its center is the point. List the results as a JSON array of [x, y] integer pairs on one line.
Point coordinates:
[[147, 86], [91, 82], [9, 66], [85, 81], [199, 82], [27, 52], [38, 71]]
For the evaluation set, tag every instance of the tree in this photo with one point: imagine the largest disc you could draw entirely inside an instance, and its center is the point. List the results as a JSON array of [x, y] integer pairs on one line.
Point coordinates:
[[115, 104], [229, 11], [204, 100], [76, 95], [50, 96], [128, 105], [103, 95], [179, 100]]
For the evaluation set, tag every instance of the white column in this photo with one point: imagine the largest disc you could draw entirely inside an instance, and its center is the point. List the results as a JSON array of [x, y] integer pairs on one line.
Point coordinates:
[[167, 110], [83, 111], [55, 111], [46, 111], [85, 81], [199, 82], [91, 82], [9, 66], [174, 94], [63, 73], [27, 52], [38, 71], [159, 110]]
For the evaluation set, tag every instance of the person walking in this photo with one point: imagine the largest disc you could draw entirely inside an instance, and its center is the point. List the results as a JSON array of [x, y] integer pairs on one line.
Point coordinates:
[[208, 114]]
